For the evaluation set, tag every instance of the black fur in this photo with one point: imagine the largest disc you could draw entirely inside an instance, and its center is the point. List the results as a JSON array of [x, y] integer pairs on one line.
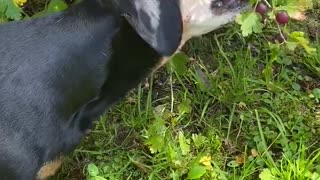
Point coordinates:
[[60, 73]]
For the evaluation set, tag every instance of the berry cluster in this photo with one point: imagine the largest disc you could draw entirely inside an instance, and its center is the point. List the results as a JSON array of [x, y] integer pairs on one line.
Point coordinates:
[[281, 17]]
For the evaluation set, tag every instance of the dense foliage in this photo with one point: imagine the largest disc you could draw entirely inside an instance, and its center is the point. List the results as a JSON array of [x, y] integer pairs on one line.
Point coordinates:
[[239, 103]]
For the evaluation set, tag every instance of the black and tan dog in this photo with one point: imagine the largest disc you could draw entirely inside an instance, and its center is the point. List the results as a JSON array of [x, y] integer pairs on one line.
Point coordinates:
[[61, 72]]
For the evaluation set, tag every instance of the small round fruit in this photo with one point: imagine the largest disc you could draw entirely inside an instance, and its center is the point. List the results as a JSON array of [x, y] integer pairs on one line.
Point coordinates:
[[282, 17], [262, 8]]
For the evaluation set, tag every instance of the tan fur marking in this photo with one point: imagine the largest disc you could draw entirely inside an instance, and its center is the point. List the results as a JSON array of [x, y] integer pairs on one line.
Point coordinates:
[[49, 169]]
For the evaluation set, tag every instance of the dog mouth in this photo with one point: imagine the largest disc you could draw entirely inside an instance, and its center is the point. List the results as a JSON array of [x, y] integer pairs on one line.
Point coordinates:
[[203, 16], [220, 7]]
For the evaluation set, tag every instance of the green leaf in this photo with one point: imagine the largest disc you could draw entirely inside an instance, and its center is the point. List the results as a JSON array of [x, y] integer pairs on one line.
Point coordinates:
[[285, 61], [250, 23], [155, 135], [172, 154], [198, 140], [185, 106], [156, 144], [175, 175], [233, 164], [260, 162], [184, 144], [297, 38], [178, 63], [266, 175], [57, 6], [156, 128], [196, 172], [293, 146], [296, 86], [316, 93], [275, 51], [11, 10], [3, 6], [92, 169], [99, 178]]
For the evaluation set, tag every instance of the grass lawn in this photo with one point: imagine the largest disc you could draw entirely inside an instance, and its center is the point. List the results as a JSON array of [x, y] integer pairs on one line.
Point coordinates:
[[233, 110], [230, 109]]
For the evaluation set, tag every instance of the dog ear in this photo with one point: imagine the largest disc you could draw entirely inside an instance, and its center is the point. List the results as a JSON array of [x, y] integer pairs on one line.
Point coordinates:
[[158, 22]]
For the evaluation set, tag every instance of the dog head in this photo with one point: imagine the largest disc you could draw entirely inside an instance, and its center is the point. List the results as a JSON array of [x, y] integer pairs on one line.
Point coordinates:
[[158, 22], [167, 24], [203, 16]]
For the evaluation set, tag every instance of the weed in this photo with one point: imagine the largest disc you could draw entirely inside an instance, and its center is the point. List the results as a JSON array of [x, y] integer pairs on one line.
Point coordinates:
[[226, 108]]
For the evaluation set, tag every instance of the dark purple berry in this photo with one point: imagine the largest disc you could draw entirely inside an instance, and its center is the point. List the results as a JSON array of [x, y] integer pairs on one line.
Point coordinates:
[[262, 8], [282, 17]]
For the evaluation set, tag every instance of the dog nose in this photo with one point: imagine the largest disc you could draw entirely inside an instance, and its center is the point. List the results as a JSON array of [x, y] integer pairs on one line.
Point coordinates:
[[216, 3], [225, 3]]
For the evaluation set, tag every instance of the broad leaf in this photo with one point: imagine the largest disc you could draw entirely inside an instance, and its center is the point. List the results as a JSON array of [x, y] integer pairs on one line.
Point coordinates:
[[250, 23], [196, 172], [178, 63], [184, 144], [92, 169]]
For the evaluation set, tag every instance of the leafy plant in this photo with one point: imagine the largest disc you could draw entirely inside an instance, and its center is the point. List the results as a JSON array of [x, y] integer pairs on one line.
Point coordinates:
[[231, 106], [13, 9], [10, 9], [273, 16]]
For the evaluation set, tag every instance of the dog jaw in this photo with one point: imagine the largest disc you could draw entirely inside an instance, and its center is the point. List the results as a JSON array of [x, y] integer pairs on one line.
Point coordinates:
[[203, 16]]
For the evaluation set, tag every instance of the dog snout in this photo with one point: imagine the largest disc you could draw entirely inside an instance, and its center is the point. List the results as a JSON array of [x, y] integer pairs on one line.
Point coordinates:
[[227, 3]]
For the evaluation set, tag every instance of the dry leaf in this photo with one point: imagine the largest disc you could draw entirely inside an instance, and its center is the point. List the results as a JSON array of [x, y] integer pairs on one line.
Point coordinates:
[[300, 16], [240, 159]]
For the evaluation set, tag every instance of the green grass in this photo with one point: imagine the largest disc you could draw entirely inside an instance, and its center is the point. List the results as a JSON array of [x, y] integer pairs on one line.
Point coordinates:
[[231, 109], [234, 111]]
